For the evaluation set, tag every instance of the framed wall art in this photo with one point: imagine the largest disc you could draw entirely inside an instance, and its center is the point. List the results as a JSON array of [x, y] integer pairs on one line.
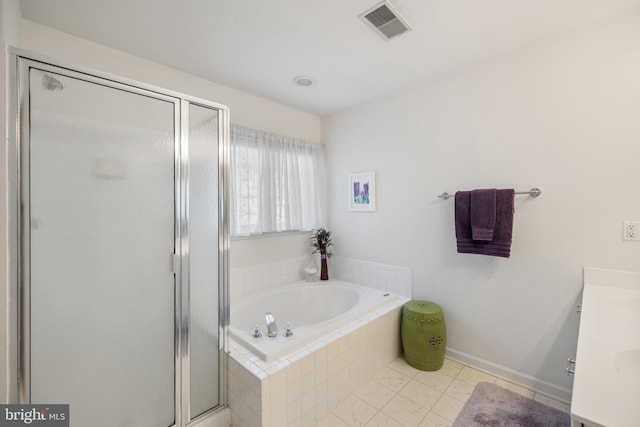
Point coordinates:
[[362, 191]]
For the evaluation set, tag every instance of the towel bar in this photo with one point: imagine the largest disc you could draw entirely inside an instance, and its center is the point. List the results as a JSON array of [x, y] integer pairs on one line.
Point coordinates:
[[534, 192]]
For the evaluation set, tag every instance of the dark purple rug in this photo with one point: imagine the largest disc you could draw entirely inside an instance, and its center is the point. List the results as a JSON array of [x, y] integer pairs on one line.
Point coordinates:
[[494, 406]]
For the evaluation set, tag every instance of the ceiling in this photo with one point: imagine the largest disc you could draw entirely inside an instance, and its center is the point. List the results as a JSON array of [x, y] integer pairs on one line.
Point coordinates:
[[259, 46]]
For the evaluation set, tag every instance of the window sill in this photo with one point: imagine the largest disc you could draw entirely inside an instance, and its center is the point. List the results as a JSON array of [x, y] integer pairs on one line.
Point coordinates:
[[271, 234]]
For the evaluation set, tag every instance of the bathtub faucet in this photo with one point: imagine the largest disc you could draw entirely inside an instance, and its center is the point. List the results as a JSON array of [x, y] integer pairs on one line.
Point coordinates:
[[272, 328]]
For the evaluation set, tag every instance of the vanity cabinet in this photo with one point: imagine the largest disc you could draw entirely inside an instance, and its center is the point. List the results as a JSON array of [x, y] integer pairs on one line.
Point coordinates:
[[606, 382]]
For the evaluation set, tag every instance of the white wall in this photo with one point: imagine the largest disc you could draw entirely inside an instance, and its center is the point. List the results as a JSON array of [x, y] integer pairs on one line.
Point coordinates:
[[562, 116], [246, 109]]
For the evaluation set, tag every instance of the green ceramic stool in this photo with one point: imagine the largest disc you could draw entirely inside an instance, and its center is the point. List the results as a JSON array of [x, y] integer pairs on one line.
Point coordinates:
[[424, 335]]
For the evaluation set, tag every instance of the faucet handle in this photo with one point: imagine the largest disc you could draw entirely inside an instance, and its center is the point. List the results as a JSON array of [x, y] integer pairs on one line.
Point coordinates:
[[256, 332], [287, 330]]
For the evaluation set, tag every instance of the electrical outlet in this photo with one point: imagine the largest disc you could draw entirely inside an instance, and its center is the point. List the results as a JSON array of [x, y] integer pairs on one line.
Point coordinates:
[[631, 230]]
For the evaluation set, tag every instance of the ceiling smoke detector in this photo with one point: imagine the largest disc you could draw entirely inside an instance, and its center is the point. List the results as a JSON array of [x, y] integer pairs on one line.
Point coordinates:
[[386, 20]]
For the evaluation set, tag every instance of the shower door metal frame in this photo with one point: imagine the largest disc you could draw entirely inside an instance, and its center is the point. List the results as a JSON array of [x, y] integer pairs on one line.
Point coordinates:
[[19, 226], [223, 255]]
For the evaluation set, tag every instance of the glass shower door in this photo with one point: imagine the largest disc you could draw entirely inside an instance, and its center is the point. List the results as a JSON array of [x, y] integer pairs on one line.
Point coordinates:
[[101, 200], [204, 325]]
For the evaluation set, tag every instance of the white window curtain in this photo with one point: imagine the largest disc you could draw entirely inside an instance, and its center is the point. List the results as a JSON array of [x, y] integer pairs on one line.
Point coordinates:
[[277, 183]]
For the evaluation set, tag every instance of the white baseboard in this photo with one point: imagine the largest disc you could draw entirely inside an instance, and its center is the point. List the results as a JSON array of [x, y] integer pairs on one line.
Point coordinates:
[[559, 393]]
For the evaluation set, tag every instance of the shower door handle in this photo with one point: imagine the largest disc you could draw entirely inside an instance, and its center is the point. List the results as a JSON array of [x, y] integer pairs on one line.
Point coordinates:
[[568, 369]]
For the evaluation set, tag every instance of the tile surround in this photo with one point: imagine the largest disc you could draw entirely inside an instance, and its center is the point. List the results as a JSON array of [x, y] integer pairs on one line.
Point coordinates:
[[302, 388], [256, 278], [384, 277], [252, 279]]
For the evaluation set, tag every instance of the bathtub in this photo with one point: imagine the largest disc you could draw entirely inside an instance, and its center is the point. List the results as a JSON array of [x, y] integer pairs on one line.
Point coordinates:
[[312, 309]]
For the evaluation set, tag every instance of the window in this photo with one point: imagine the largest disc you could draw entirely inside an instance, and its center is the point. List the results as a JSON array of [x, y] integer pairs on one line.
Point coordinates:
[[277, 183]]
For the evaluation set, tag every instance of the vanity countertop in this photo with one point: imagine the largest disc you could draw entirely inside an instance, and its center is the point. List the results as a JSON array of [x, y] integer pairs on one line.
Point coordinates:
[[606, 387]]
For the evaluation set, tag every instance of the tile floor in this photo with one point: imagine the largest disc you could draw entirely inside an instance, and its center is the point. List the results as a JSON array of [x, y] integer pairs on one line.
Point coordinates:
[[402, 396]]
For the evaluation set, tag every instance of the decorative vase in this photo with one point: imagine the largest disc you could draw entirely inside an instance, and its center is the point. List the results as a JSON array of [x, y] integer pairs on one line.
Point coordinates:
[[311, 268], [324, 271]]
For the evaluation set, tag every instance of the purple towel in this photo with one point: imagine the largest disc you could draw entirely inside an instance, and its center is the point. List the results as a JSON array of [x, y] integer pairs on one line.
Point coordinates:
[[501, 243], [483, 214]]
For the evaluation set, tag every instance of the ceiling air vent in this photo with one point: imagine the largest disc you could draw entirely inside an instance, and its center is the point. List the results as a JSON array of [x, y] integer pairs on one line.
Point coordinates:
[[386, 20]]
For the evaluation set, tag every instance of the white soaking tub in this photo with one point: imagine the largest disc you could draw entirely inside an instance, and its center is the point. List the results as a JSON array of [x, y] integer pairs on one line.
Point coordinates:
[[312, 309]]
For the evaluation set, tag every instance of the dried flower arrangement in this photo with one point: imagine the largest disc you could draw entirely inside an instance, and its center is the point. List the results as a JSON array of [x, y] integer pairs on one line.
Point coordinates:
[[321, 242]]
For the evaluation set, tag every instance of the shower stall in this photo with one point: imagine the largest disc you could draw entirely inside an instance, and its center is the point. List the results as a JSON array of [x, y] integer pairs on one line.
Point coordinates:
[[118, 243]]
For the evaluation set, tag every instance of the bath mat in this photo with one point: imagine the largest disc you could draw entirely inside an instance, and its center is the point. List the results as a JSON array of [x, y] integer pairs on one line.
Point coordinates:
[[491, 405]]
